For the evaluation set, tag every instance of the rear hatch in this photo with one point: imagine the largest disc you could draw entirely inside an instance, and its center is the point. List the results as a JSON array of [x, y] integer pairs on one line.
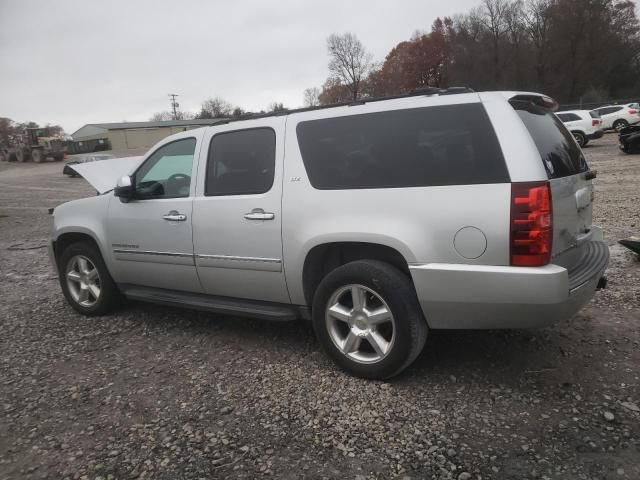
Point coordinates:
[[569, 179]]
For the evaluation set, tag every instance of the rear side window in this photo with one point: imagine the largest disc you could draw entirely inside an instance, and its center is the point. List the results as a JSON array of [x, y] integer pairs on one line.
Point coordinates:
[[568, 117], [559, 152], [444, 145], [608, 110], [594, 114], [241, 162]]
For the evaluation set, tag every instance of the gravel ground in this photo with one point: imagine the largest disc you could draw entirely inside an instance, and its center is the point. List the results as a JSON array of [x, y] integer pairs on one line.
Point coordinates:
[[155, 392]]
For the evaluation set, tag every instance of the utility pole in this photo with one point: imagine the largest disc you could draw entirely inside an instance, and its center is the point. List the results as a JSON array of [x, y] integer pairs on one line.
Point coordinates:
[[174, 105]]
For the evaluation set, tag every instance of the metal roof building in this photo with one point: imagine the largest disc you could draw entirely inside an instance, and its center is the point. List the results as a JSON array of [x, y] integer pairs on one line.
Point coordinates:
[[131, 135]]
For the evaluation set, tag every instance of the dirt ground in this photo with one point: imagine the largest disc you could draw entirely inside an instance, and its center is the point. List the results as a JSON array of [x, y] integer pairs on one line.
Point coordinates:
[[156, 392]]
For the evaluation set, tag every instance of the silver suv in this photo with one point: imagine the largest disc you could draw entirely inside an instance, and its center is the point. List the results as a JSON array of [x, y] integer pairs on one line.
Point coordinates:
[[376, 220]]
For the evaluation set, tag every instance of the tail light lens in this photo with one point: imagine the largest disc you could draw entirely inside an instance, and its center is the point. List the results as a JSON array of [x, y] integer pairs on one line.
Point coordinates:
[[531, 224], [633, 111], [595, 122]]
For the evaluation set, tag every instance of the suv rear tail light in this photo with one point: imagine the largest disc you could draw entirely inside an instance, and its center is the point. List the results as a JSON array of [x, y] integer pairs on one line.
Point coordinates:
[[595, 122], [531, 224], [633, 111]]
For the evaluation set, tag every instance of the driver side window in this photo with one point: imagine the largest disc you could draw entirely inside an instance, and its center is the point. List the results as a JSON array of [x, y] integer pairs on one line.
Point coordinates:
[[167, 172]]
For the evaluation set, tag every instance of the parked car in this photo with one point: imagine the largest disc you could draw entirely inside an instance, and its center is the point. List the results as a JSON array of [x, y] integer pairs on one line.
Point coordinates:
[[377, 221], [583, 125], [618, 116], [67, 170], [629, 138]]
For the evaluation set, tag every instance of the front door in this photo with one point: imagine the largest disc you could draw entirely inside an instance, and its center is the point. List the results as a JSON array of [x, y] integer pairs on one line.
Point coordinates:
[[151, 235], [237, 212]]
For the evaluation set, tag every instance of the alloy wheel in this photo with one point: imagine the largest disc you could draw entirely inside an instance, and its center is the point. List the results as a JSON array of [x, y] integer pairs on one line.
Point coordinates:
[[83, 281], [360, 323]]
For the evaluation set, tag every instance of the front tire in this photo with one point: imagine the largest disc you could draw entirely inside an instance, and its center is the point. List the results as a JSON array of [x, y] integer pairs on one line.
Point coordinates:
[[368, 319], [85, 280]]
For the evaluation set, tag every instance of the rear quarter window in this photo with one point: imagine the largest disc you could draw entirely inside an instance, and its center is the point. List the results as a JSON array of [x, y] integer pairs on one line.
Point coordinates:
[[558, 150], [431, 146]]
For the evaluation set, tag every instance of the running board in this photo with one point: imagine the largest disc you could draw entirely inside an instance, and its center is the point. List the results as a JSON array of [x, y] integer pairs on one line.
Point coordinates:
[[210, 303]]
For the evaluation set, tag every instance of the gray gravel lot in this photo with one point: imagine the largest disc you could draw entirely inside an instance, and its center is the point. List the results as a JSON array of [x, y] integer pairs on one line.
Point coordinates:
[[155, 392]]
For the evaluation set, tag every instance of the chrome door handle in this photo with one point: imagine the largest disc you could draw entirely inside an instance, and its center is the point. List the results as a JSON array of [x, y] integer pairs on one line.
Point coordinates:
[[259, 214], [174, 216]]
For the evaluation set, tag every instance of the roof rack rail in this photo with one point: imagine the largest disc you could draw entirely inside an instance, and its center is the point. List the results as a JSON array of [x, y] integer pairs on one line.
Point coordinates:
[[361, 101]]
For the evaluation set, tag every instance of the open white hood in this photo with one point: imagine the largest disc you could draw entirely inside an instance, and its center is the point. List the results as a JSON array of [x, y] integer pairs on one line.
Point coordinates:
[[104, 174]]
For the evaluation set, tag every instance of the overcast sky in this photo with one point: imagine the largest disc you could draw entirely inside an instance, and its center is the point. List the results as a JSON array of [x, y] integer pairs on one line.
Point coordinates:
[[78, 62]]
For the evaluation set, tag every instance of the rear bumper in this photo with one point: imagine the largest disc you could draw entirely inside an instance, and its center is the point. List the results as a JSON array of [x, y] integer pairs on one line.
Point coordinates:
[[456, 296]]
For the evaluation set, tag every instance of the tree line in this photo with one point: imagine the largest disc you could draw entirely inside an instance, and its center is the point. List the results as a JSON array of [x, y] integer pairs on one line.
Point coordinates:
[[577, 51], [573, 50], [215, 107]]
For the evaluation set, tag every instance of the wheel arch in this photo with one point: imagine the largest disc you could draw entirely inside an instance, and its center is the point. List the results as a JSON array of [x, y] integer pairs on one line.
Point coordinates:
[[67, 238], [325, 257]]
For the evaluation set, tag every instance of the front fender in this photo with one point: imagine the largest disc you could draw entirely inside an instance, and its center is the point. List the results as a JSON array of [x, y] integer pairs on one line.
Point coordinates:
[[86, 216]]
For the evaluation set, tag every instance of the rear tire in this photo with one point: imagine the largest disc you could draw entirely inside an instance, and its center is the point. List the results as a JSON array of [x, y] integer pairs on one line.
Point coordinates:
[[85, 280], [620, 124], [367, 318], [580, 138]]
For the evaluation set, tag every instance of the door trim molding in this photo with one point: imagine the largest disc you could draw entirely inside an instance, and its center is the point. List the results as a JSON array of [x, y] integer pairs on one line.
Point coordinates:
[[152, 252], [244, 259], [153, 256], [240, 263]]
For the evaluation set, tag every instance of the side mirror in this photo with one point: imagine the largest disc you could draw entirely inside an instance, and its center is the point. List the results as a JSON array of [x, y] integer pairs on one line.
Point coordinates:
[[124, 189]]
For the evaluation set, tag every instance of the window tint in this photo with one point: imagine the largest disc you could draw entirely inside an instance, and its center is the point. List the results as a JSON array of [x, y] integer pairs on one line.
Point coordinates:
[[241, 162], [608, 110], [594, 114], [167, 172], [559, 152], [445, 145], [568, 117]]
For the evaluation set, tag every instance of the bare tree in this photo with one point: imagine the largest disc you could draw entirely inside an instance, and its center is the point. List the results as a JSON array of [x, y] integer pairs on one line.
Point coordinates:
[[312, 97], [161, 116], [517, 35], [349, 61], [276, 107], [537, 20], [167, 115], [215, 108], [493, 15]]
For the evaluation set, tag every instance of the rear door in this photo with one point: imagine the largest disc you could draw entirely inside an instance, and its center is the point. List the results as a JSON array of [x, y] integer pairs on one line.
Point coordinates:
[[237, 214], [571, 187], [609, 115]]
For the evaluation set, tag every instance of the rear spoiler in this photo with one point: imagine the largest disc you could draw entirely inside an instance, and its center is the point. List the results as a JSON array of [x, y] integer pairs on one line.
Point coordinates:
[[536, 99]]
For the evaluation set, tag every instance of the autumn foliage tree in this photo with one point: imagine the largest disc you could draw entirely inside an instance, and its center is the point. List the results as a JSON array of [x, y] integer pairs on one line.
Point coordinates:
[[573, 50]]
